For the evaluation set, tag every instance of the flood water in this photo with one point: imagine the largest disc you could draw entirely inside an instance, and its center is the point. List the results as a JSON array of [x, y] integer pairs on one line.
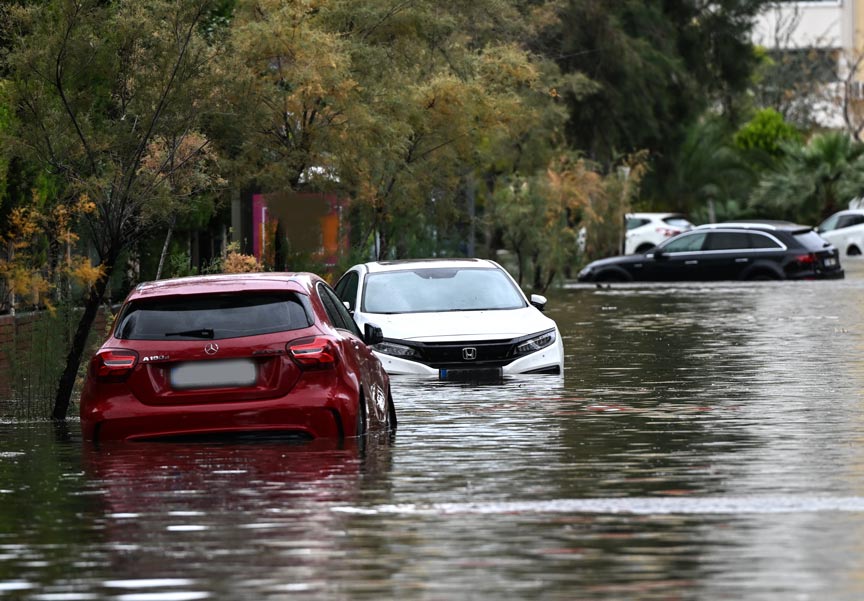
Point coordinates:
[[706, 442]]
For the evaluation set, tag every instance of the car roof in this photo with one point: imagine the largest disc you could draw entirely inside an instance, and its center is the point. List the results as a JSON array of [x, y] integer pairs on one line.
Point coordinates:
[[658, 215], [402, 265], [226, 282], [770, 225]]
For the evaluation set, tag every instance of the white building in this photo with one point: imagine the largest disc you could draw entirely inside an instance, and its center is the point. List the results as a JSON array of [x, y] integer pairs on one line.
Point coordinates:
[[835, 30]]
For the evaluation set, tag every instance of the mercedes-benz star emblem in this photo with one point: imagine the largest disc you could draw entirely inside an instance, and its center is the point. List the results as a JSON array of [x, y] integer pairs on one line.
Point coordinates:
[[469, 353], [211, 349]]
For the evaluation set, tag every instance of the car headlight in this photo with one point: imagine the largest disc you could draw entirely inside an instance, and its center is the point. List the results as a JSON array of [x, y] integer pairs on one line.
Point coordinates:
[[535, 343], [396, 350]]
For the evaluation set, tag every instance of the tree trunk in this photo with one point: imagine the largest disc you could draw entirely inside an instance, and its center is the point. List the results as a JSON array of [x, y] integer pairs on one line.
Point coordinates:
[[66, 385], [165, 247]]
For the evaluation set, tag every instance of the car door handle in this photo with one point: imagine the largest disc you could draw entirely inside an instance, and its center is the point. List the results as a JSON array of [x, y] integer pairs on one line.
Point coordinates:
[[691, 262], [742, 260]]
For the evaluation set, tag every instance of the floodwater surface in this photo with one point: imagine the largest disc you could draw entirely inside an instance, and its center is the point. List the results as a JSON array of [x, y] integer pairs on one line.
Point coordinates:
[[705, 442]]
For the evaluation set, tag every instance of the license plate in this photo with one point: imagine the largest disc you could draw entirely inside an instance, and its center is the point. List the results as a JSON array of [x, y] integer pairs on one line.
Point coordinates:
[[476, 374], [226, 373], [830, 262]]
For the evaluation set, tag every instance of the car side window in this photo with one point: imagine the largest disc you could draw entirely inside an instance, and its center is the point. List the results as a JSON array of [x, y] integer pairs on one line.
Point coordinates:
[[346, 289], [727, 241], [762, 241], [336, 311], [849, 221], [634, 222], [685, 244]]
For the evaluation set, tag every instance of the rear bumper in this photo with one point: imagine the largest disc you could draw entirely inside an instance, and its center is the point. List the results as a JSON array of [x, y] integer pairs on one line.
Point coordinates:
[[126, 418]]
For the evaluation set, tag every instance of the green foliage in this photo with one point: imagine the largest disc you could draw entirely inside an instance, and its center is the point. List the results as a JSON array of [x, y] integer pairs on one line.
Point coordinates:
[[767, 132], [705, 168], [812, 181]]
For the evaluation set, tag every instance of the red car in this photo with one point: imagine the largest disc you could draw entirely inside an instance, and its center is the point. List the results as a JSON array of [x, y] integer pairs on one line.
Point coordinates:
[[264, 353]]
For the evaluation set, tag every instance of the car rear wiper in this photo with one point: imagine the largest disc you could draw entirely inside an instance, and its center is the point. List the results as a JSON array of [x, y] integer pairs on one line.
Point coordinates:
[[202, 333]]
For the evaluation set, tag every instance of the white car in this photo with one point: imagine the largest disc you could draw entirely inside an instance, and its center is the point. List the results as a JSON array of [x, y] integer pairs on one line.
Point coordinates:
[[647, 230], [452, 318], [845, 230]]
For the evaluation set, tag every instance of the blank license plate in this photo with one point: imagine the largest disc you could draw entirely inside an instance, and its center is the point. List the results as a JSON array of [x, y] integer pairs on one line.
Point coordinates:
[[214, 374], [830, 262]]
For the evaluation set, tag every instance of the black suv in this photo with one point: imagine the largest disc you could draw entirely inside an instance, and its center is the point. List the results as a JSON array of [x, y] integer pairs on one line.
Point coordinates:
[[727, 251]]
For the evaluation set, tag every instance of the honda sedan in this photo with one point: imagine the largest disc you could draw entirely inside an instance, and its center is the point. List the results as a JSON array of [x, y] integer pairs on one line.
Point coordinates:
[[452, 318], [269, 353]]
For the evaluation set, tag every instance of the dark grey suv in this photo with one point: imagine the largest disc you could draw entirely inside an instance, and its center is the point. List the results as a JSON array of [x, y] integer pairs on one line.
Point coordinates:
[[727, 251]]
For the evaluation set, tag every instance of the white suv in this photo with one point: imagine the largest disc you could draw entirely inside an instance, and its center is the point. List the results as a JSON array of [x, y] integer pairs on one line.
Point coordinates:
[[647, 230], [845, 230]]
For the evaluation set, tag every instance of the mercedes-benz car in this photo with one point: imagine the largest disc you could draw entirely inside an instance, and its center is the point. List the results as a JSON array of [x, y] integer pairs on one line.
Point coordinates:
[[245, 354], [452, 318], [768, 250]]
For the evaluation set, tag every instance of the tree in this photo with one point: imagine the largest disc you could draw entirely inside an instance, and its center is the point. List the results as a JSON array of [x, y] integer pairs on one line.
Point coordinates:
[[96, 84], [385, 102], [813, 180], [655, 68], [706, 170]]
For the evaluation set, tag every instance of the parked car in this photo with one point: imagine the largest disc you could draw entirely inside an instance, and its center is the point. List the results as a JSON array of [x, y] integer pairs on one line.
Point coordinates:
[[727, 251], [647, 230], [234, 354], [452, 318], [845, 230]]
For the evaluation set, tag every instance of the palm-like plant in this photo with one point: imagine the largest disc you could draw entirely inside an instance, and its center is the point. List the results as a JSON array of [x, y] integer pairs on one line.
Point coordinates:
[[812, 181], [705, 170]]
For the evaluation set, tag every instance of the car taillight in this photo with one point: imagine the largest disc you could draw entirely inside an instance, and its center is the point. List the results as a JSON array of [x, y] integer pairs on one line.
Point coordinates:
[[313, 353], [114, 364], [808, 259], [667, 233]]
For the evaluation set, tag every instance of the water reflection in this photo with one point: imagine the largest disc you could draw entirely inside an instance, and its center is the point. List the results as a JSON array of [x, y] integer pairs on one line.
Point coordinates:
[[171, 509]]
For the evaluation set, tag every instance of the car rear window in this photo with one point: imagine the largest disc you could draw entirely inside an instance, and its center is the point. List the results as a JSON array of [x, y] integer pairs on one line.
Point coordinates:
[[677, 222], [212, 316], [811, 240]]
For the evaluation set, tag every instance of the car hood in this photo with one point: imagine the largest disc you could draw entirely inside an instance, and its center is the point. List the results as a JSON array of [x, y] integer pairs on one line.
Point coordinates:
[[461, 325], [620, 260]]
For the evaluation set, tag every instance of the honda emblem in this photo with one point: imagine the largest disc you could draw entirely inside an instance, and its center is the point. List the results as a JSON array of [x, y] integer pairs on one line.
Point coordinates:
[[211, 349], [469, 353]]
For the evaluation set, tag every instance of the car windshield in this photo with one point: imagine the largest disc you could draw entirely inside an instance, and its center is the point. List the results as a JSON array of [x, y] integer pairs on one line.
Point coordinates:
[[211, 316], [440, 289]]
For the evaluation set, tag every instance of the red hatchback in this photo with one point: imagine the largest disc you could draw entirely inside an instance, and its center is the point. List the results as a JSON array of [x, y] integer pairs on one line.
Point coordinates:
[[264, 353]]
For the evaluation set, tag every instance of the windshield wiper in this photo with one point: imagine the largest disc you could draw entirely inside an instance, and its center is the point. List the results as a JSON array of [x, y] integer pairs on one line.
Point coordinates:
[[202, 333]]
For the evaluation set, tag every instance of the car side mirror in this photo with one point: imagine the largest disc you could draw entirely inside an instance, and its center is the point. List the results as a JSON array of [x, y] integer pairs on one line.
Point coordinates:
[[659, 254], [538, 301], [372, 334]]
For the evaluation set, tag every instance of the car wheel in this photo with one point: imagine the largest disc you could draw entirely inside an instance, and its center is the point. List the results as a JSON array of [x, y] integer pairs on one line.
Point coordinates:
[[610, 276], [762, 276], [853, 251], [361, 417], [391, 414], [643, 248]]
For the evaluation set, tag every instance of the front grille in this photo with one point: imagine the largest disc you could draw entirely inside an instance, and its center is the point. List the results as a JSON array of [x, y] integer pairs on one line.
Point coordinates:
[[448, 355]]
